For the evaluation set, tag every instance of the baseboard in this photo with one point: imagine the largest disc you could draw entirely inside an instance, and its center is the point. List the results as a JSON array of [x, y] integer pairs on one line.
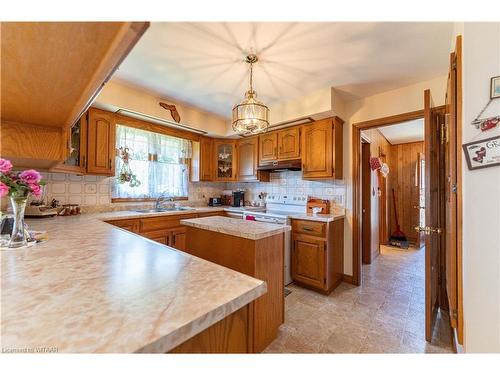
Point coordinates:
[[347, 279]]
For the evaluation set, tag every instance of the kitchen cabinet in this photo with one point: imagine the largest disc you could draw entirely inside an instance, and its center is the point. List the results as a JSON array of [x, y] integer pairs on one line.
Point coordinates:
[[247, 151], [207, 168], [76, 161], [101, 143], [178, 238], [279, 145], [268, 148], [318, 254], [225, 160], [322, 149], [132, 225], [289, 143]]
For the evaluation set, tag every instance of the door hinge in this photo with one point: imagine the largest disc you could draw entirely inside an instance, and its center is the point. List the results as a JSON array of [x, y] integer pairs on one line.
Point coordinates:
[[454, 188], [454, 314]]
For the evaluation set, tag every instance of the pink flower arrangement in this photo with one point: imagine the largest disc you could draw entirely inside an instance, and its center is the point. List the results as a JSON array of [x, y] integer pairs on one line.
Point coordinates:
[[19, 184]]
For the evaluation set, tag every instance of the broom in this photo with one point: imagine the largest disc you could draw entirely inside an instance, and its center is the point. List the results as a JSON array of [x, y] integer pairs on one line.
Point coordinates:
[[397, 237]]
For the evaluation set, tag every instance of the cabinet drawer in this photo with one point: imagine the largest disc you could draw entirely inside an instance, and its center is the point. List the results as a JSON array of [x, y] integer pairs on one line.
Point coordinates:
[[131, 225], [161, 236], [313, 228], [161, 222]]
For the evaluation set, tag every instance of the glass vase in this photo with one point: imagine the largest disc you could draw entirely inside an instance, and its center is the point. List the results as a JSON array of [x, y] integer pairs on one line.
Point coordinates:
[[18, 237]]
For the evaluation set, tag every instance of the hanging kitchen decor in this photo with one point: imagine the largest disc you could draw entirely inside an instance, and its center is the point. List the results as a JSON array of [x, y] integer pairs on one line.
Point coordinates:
[[482, 154], [126, 174], [250, 116]]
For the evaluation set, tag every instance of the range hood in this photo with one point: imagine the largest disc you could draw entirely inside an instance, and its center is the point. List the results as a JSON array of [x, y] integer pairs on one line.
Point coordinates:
[[285, 165]]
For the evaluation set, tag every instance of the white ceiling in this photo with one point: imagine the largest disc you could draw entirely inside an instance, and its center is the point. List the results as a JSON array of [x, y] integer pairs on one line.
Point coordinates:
[[202, 63], [405, 132]]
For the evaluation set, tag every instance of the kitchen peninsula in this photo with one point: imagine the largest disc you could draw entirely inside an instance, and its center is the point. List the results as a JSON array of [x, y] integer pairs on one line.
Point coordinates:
[[253, 248], [93, 287]]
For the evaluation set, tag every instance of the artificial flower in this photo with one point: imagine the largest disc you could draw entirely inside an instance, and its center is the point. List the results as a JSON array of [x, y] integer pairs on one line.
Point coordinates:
[[5, 166], [30, 176], [4, 189], [36, 190]]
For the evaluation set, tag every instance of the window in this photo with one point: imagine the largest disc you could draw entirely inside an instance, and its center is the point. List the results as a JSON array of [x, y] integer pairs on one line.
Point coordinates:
[[160, 163]]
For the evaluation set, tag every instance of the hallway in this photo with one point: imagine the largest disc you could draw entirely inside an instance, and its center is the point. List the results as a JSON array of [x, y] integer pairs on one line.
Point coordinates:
[[384, 315]]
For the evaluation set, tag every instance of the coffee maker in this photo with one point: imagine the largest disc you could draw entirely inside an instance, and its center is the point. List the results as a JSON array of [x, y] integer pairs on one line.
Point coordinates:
[[238, 198]]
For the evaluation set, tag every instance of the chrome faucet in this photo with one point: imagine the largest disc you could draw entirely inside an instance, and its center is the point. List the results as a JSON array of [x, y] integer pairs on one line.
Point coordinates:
[[162, 198]]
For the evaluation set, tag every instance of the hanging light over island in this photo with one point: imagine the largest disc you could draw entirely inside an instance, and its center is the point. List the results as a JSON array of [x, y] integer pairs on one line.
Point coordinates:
[[250, 116]]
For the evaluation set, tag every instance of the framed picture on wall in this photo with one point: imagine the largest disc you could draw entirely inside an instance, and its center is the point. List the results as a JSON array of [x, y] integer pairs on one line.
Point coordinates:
[[482, 154], [495, 87]]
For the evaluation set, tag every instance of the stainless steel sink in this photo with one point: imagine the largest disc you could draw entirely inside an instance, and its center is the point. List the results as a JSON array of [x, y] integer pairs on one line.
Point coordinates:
[[164, 209]]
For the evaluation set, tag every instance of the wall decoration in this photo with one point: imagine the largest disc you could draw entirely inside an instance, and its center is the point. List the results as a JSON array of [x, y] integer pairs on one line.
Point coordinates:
[[482, 154], [495, 87], [173, 111]]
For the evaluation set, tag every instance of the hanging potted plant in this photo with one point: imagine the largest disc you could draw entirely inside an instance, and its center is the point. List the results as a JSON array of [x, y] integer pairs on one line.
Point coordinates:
[[18, 186]]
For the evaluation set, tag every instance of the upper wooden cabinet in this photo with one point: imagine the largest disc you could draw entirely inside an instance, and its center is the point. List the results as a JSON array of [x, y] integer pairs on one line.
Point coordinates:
[[247, 151], [101, 143], [51, 72], [225, 160], [289, 143], [322, 149], [207, 169], [279, 145], [268, 148], [76, 162]]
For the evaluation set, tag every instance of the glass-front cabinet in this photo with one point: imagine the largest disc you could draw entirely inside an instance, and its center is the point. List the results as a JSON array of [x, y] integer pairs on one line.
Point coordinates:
[[77, 149], [225, 157]]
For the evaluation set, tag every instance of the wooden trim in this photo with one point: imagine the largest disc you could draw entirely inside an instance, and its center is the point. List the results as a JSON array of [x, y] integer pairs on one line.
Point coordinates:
[[390, 120], [459, 231], [121, 200], [347, 279], [356, 180], [152, 127]]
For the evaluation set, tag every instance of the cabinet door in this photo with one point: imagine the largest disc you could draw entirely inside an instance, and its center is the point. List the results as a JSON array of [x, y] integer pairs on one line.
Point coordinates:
[[308, 261], [101, 143], [206, 159], [225, 160], [161, 236], [132, 225], [268, 148], [289, 143], [317, 150], [76, 161], [178, 238], [247, 151]]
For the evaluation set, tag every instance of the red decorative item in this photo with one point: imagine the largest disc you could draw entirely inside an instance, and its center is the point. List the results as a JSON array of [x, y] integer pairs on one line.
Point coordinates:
[[375, 163], [489, 123]]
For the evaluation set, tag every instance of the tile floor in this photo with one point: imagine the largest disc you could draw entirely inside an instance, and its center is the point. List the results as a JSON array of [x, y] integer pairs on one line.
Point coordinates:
[[384, 315]]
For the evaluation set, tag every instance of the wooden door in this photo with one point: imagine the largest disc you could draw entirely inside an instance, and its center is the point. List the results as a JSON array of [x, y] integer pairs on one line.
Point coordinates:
[[247, 153], [366, 229], [268, 148], [289, 143], [178, 238], [160, 236], [206, 159], [76, 161], [308, 261], [432, 214], [452, 189], [317, 150], [101, 143]]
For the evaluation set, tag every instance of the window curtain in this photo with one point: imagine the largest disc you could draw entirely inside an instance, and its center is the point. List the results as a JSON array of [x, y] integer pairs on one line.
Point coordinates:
[[160, 163]]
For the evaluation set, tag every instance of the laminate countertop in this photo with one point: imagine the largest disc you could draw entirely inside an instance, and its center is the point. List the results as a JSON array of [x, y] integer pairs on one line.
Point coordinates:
[[93, 287], [253, 230]]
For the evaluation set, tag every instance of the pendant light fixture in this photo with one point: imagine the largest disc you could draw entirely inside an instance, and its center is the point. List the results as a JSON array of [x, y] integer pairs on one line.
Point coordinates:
[[250, 116]]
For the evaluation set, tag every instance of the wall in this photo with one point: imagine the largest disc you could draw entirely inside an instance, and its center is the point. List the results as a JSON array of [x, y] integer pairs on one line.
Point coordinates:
[[378, 146], [117, 94], [404, 180], [481, 198]]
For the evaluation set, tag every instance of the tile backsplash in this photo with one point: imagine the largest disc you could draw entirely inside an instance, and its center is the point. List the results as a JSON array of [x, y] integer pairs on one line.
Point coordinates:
[[96, 191]]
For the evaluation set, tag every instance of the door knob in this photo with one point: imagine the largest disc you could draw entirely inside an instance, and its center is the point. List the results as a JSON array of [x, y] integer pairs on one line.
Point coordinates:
[[428, 230], [419, 207]]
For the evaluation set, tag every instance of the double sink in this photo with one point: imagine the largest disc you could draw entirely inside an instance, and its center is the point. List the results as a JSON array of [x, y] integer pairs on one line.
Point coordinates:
[[164, 209]]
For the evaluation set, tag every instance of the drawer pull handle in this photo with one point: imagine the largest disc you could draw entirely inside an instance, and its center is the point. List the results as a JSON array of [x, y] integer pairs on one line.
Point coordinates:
[[309, 229]]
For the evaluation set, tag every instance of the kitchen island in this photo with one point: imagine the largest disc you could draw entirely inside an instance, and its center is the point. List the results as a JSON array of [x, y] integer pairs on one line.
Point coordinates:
[[93, 287], [253, 248]]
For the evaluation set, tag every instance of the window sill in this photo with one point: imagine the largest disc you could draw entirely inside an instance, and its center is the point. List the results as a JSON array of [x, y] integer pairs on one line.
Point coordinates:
[[122, 200]]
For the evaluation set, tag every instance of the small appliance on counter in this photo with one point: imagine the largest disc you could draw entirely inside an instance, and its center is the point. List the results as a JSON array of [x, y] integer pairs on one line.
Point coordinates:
[[238, 198], [215, 201]]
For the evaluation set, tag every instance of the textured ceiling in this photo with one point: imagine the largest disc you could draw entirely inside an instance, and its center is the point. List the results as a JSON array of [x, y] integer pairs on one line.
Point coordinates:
[[203, 63], [405, 132]]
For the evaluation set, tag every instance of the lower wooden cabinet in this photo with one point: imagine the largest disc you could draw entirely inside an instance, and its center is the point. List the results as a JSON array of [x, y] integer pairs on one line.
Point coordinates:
[[178, 238], [309, 261], [132, 225], [318, 254]]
